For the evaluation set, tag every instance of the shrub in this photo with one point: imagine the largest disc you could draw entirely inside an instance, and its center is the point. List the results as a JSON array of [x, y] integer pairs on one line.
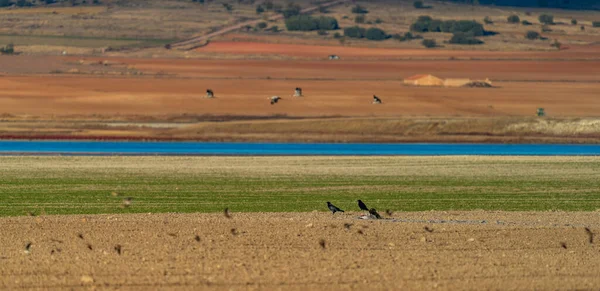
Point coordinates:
[[9, 49], [375, 33], [526, 23], [259, 9], [427, 24], [596, 24], [532, 35], [269, 5], [487, 20], [546, 28], [556, 44], [461, 38], [378, 21], [345, 17], [359, 19], [546, 19], [574, 21], [228, 7], [513, 19], [359, 10], [309, 23], [337, 35], [323, 9], [354, 32], [429, 43], [291, 10], [418, 4], [261, 25]]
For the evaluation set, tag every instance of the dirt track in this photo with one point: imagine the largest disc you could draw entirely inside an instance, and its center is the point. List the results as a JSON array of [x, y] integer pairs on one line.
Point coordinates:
[[464, 250]]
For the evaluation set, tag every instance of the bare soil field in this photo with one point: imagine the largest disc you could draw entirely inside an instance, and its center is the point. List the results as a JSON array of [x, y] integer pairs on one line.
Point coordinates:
[[50, 95], [298, 251], [322, 51], [57, 95]]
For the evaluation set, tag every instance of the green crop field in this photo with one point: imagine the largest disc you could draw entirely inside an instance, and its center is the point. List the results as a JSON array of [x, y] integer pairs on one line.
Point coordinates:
[[85, 185]]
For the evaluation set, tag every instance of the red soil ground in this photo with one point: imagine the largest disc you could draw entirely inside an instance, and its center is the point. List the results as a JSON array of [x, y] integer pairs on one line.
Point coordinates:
[[316, 51], [55, 95]]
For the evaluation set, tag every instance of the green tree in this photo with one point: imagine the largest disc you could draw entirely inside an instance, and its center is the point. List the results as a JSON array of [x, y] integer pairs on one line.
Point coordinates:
[[354, 32], [359, 10], [513, 19], [375, 33], [259, 9], [418, 4], [547, 19], [429, 43], [532, 35]]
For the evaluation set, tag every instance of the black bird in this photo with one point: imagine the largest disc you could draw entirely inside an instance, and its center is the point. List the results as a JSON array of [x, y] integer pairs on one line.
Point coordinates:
[[374, 213], [362, 205], [376, 100], [333, 208]]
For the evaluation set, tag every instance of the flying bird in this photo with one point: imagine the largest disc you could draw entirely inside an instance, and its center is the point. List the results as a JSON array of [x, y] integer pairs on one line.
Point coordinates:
[[362, 205], [275, 99], [333, 208], [376, 100], [374, 213]]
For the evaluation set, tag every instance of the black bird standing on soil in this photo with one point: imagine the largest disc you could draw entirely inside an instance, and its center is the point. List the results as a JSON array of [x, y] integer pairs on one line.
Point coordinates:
[[374, 213], [362, 205], [333, 208]]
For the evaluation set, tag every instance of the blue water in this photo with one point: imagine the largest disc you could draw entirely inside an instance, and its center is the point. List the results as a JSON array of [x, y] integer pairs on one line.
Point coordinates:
[[215, 148]]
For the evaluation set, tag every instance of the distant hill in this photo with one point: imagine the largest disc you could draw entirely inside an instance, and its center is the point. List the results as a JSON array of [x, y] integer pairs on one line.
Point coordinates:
[[565, 4]]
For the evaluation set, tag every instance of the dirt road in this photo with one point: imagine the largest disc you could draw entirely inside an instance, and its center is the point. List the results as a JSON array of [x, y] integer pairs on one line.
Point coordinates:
[[200, 39]]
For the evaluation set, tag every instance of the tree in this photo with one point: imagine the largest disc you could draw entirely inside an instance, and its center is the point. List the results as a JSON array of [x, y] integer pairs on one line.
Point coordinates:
[[309, 23], [261, 25], [228, 7], [359, 10], [418, 4], [532, 35], [4, 3], [462, 38], [354, 32], [9, 49], [291, 10], [375, 33], [596, 24], [429, 43], [547, 19], [513, 19], [259, 9]]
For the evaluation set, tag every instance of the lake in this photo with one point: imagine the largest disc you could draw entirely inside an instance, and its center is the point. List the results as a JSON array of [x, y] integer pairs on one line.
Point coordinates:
[[233, 148]]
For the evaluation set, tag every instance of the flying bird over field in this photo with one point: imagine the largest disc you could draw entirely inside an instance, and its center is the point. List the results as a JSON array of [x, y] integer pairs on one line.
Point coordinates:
[[333, 208], [362, 205], [374, 213], [274, 99], [376, 100]]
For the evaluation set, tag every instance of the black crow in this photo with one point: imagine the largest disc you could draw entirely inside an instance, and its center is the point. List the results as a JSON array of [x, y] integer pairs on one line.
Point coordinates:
[[362, 205], [374, 213], [333, 208]]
